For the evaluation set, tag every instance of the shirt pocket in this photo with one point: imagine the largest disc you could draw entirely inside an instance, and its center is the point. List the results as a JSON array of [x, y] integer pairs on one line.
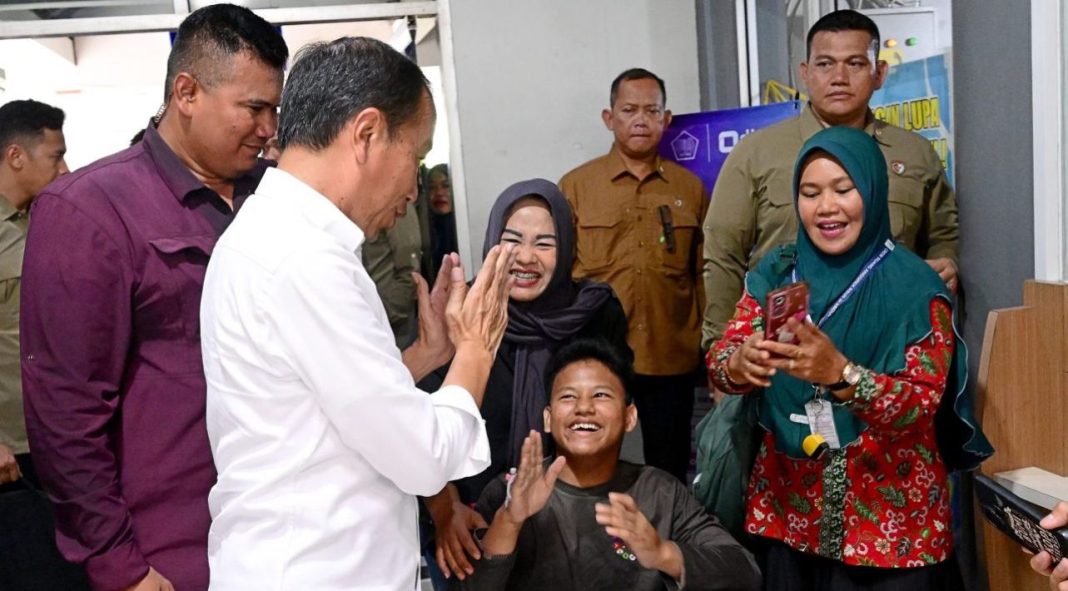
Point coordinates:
[[169, 294], [906, 209], [600, 238], [685, 227]]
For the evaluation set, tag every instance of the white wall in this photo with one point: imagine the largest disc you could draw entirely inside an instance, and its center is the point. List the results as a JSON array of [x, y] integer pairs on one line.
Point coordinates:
[[532, 78], [110, 85]]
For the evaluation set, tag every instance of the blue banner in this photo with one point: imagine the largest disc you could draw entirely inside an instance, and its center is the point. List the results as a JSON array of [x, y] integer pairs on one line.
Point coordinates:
[[916, 97], [700, 142]]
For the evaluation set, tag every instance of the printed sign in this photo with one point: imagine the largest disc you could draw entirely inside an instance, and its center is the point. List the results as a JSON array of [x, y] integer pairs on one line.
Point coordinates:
[[700, 142]]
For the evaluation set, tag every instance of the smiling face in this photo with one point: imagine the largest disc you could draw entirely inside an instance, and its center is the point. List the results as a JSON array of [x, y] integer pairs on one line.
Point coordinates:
[[439, 188], [638, 118], [588, 411], [530, 228], [829, 205], [235, 116], [841, 74]]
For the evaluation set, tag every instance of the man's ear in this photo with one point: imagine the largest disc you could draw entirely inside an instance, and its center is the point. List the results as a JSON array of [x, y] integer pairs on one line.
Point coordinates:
[[546, 418], [630, 420], [606, 116], [184, 93], [667, 118], [15, 156], [802, 69], [881, 70], [365, 129]]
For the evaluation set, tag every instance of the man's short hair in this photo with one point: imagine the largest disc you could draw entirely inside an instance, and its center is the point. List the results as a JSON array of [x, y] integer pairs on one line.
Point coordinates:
[[330, 83], [592, 349], [635, 74], [209, 36], [25, 121], [844, 20]]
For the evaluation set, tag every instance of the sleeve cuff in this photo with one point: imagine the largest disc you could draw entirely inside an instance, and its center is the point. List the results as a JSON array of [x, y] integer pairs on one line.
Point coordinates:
[[460, 400], [117, 568]]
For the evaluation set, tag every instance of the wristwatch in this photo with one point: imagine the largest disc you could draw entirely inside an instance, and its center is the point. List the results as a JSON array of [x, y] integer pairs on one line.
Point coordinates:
[[851, 374]]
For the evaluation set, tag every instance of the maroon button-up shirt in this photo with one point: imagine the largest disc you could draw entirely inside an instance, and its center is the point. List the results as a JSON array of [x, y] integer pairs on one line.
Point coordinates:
[[112, 375]]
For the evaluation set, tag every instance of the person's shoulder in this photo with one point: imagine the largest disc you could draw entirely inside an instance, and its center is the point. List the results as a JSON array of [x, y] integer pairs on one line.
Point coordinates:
[[652, 475], [899, 143], [591, 169], [770, 137], [116, 170], [680, 174]]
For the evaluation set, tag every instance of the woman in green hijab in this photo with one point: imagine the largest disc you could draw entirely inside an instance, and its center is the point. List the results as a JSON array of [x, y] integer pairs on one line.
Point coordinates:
[[850, 487]]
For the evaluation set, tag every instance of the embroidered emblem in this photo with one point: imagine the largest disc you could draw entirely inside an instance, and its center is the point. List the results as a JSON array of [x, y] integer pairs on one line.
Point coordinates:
[[898, 167]]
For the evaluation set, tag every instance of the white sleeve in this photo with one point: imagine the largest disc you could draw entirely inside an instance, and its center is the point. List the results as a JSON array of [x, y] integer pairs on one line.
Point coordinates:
[[328, 317]]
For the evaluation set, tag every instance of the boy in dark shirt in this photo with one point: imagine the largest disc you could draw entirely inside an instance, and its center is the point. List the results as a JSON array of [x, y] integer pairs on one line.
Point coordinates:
[[606, 524]]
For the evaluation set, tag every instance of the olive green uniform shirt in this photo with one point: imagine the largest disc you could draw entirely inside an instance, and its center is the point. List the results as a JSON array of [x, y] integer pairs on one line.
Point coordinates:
[[390, 259], [619, 241], [752, 205], [12, 245]]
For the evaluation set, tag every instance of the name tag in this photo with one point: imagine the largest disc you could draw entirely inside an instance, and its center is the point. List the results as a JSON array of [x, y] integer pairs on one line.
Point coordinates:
[[820, 418]]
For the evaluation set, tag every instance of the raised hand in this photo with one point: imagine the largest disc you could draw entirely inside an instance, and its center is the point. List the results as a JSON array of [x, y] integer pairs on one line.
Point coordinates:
[[533, 484], [529, 492], [478, 316], [622, 519], [433, 345]]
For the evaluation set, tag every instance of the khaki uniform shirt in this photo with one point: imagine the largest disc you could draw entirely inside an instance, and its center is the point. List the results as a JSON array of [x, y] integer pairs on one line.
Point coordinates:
[[390, 260], [752, 205], [620, 243], [12, 245]]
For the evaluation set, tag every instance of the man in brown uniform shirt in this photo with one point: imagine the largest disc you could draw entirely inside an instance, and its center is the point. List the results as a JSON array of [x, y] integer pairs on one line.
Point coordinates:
[[638, 230], [32, 149]]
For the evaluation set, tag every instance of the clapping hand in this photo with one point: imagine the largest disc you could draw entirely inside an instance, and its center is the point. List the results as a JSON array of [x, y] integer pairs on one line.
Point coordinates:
[[433, 329], [622, 519], [533, 484]]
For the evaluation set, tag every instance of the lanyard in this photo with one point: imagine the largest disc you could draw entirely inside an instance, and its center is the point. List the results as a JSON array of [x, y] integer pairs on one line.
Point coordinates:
[[859, 279]]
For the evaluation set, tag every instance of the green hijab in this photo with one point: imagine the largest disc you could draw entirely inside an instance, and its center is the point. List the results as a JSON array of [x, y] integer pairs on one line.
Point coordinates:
[[873, 327]]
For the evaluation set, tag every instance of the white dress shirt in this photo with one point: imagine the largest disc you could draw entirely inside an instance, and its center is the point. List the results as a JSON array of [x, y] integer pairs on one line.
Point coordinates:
[[319, 434]]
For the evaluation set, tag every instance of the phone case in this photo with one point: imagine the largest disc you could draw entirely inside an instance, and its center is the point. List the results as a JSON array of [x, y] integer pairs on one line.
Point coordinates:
[[782, 304], [1019, 519]]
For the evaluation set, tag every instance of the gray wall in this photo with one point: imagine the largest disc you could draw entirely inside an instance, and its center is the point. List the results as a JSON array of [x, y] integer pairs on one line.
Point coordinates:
[[717, 47], [532, 78], [992, 133]]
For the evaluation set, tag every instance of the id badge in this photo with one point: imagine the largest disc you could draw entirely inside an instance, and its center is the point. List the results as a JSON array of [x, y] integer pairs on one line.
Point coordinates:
[[820, 415]]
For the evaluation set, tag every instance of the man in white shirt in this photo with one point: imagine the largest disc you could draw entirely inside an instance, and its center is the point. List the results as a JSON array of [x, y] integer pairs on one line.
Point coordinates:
[[319, 434]]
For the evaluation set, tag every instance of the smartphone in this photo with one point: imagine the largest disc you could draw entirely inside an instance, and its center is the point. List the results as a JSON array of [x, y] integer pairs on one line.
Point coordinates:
[[782, 304], [1019, 519]]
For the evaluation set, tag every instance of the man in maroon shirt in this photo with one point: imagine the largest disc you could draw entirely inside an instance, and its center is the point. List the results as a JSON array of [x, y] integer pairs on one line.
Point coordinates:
[[115, 259]]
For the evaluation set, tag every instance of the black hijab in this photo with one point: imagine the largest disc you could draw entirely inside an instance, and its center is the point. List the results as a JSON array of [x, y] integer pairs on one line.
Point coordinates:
[[541, 326]]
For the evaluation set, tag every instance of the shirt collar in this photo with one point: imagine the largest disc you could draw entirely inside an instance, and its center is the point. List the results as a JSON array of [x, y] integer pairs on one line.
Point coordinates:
[[180, 180], [811, 124], [315, 207], [7, 211], [617, 168]]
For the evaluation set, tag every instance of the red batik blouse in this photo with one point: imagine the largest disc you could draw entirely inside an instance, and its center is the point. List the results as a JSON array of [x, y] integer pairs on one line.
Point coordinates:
[[881, 501]]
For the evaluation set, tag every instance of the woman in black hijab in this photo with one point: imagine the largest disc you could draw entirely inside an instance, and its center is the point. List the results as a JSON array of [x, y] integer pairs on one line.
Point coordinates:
[[547, 309]]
